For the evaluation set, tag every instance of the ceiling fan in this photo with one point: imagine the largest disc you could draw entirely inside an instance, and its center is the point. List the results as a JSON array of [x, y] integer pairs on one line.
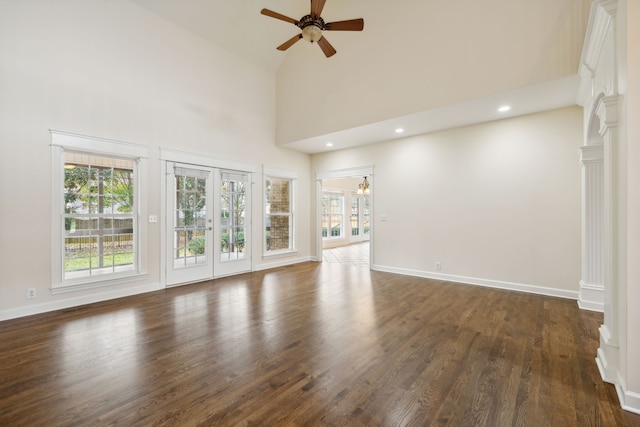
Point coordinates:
[[313, 25]]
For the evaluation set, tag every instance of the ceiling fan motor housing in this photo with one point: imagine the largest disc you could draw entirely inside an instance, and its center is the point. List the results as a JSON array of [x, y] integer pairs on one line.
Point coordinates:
[[311, 27]]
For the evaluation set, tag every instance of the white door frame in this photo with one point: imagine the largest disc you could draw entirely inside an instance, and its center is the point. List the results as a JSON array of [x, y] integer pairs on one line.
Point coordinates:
[[344, 173]]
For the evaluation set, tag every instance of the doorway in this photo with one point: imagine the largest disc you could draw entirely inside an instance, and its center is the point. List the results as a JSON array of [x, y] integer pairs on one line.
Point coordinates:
[[345, 217], [208, 231]]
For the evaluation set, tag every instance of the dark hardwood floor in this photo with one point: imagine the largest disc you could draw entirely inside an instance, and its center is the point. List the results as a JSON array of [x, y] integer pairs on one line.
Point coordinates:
[[311, 344]]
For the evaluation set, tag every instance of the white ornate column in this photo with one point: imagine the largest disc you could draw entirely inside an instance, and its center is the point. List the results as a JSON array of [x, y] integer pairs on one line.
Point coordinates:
[[592, 283], [609, 351]]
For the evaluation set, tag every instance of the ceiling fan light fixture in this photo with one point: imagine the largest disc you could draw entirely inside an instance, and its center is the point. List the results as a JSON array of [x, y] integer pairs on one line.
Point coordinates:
[[312, 33]]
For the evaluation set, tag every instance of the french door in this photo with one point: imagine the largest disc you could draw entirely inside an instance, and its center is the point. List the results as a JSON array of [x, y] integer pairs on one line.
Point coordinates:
[[232, 231], [208, 223]]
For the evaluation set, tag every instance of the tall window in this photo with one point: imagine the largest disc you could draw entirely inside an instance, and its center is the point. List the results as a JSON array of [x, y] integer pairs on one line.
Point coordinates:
[[96, 216], [366, 225], [278, 213], [355, 215], [99, 216], [332, 215], [359, 216]]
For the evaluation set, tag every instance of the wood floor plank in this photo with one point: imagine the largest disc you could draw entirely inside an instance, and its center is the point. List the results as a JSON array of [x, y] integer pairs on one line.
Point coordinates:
[[309, 345]]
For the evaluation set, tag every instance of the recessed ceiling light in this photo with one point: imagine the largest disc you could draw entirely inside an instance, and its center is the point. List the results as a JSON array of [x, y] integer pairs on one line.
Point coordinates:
[[399, 130], [504, 109], [329, 144]]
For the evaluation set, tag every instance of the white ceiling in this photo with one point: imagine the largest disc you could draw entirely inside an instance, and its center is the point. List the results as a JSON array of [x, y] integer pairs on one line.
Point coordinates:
[[542, 97], [238, 26]]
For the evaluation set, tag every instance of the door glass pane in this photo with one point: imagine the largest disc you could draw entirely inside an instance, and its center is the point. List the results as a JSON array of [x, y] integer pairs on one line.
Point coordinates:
[[233, 187], [190, 219]]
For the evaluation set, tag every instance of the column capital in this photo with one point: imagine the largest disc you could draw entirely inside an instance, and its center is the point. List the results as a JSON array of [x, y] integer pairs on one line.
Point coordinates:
[[607, 112], [591, 154]]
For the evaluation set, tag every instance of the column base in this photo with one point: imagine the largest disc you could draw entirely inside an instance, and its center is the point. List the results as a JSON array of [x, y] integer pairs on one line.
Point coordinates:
[[591, 297]]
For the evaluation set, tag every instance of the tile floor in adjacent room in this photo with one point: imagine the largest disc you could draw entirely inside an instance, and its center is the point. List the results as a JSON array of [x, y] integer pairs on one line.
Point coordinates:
[[356, 254]]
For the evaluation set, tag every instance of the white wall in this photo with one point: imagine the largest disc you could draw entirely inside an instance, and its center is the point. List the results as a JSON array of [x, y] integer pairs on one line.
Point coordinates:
[[497, 202], [628, 193], [446, 52], [633, 214], [111, 69]]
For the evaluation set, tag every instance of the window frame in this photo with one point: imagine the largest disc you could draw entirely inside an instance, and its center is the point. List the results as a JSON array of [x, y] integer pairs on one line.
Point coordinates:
[[292, 177], [62, 142]]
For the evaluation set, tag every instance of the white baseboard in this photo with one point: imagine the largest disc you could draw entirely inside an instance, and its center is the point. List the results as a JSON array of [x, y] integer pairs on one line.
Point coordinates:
[[629, 400], [591, 297], [77, 301], [603, 367], [610, 372], [540, 290], [282, 263]]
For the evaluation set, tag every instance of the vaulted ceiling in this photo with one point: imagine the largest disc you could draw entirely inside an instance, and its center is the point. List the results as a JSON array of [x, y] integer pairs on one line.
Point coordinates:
[[422, 65]]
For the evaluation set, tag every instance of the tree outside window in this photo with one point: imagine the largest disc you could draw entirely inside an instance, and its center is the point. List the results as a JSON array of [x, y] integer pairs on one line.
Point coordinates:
[[99, 219]]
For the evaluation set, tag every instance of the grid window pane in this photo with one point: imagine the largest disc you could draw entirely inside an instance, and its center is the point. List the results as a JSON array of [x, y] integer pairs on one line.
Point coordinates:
[[99, 223], [365, 214], [232, 216], [355, 215], [332, 215], [279, 217]]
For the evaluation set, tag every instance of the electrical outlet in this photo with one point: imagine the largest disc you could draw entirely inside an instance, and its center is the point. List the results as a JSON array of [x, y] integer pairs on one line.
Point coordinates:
[[438, 266], [31, 293]]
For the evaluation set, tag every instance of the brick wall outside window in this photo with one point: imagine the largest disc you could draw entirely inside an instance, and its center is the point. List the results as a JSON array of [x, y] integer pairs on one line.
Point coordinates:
[[279, 214]]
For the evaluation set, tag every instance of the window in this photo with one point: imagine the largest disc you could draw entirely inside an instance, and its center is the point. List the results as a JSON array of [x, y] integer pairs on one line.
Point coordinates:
[[366, 225], [355, 215], [96, 210], [359, 216], [279, 215], [332, 215]]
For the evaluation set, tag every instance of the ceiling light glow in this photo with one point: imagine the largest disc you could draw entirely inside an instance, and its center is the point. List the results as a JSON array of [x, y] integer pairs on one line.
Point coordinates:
[[504, 109], [399, 130], [329, 144]]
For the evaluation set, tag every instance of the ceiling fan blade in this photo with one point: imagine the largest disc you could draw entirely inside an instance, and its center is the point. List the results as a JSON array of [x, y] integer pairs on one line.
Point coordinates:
[[277, 15], [316, 7], [286, 45], [350, 25], [326, 47]]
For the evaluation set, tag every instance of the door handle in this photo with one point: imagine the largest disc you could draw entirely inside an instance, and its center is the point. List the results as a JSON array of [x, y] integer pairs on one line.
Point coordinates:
[[210, 228]]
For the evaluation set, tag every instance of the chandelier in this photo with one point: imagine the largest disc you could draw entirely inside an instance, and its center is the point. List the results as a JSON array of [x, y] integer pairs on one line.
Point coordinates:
[[364, 187]]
